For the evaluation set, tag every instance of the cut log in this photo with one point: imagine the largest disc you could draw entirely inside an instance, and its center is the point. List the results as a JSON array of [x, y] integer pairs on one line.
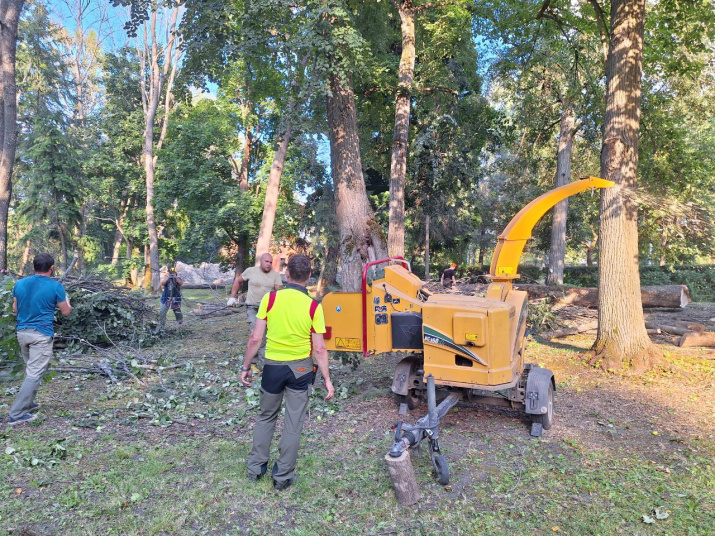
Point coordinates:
[[653, 331], [673, 330], [694, 338], [215, 309], [565, 332], [403, 478], [666, 296], [203, 286]]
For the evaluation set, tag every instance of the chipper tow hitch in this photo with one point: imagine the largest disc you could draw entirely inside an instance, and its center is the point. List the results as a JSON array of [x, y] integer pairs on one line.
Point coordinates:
[[408, 436]]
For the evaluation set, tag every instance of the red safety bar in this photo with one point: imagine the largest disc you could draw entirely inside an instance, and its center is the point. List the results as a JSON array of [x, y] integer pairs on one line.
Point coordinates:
[[364, 295]]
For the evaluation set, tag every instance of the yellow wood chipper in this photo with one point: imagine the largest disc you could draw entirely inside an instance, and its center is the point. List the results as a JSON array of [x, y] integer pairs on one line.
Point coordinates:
[[472, 346]]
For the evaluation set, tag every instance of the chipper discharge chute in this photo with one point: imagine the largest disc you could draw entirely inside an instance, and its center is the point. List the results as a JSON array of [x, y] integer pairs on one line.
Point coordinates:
[[471, 345]]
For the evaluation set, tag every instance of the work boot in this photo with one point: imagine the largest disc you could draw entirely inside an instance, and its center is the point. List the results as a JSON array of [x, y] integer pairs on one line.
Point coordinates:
[[256, 478], [280, 485]]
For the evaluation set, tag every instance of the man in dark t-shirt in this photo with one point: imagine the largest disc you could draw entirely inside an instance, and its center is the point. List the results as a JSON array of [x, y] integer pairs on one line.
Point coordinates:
[[449, 276]]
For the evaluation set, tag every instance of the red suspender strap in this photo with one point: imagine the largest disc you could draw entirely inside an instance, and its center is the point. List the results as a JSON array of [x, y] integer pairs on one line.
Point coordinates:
[[271, 301], [313, 307]]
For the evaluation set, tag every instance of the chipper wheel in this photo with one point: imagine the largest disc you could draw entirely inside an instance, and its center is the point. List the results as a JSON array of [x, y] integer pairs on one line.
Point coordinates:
[[441, 469], [546, 419]]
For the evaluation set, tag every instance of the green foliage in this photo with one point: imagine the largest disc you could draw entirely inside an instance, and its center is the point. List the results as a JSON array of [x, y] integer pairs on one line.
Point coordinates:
[[103, 318], [9, 347], [540, 317]]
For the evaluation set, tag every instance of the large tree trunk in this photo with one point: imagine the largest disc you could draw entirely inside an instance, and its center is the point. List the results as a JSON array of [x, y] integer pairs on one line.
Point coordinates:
[[557, 252], [398, 166], [361, 239], [270, 205], [427, 247], [9, 16], [329, 269], [622, 339]]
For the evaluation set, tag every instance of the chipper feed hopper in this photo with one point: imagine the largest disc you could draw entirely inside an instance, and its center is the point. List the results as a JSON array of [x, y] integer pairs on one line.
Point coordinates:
[[471, 345]]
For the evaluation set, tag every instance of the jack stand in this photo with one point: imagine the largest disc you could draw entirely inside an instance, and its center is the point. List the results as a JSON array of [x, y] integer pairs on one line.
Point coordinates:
[[410, 436], [536, 429]]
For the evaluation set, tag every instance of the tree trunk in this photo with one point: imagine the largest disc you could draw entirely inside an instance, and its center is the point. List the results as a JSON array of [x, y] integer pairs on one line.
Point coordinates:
[[360, 236], [270, 205], [427, 247], [560, 213], [622, 339], [694, 338], [9, 16], [403, 478], [329, 270], [119, 233], [160, 68], [25, 257], [398, 166], [245, 158], [670, 296]]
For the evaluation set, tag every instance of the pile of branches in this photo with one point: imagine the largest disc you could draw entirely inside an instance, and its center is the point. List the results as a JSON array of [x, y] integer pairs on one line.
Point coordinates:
[[105, 315]]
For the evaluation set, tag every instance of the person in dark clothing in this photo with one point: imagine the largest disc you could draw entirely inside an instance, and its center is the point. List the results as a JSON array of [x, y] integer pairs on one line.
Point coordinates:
[[449, 276], [295, 334], [171, 298]]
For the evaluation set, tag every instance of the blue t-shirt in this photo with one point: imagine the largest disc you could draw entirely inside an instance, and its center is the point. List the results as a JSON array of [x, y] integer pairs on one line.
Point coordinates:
[[37, 296]]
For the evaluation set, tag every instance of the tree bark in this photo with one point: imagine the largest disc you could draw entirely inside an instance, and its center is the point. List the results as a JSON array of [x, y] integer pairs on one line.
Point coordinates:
[[694, 338], [557, 253], [270, 205], [427, 218], [403, 478], [160, 66], [9, 17], [622, 339], [329, 270], [398, 165], [361, 239]]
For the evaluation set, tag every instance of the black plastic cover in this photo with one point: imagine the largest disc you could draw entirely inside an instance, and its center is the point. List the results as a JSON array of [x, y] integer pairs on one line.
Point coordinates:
[[407, 331]]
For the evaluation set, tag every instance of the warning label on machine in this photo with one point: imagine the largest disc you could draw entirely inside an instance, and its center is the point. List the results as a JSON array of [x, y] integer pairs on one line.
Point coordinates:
[[349, 344]]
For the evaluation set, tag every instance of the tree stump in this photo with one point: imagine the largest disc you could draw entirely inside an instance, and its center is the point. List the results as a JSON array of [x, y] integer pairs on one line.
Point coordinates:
[[403, 478]]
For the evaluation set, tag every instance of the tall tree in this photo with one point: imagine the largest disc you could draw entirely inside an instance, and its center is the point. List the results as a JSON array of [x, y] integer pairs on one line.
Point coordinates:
[[158, 62], [398, 165], [622, 338], [9, 18]]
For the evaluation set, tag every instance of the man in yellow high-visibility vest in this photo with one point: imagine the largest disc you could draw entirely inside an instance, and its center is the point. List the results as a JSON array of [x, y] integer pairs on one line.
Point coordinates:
[[295, 326]]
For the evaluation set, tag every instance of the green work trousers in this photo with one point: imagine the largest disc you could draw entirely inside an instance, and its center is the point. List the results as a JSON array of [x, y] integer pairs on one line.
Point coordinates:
[[277, 384]]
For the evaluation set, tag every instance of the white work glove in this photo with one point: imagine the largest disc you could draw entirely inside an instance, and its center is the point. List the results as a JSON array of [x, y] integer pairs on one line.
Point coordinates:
[[232, 302]]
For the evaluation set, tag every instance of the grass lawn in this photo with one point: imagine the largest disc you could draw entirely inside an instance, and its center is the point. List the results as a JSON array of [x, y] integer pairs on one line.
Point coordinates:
[[164, 453]]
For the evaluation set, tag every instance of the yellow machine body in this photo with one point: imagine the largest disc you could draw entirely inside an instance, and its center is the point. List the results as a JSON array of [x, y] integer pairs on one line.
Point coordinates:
[[465, 341]]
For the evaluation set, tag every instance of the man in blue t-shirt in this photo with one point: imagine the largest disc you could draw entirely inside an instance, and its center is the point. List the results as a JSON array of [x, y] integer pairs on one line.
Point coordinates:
[[34, 302]]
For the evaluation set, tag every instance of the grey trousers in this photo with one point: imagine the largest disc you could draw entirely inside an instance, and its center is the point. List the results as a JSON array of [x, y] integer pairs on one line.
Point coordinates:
[[296, 404], [260, 358], [36, 350], [164, 309]]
